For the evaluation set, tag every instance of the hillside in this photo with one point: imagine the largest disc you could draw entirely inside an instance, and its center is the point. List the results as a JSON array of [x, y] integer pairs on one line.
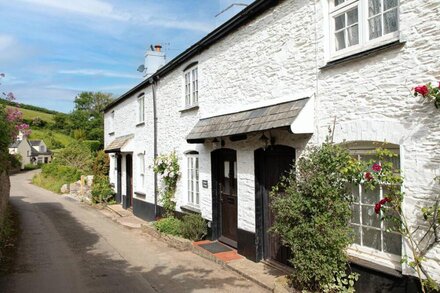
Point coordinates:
[[53, 139], [29, 115]]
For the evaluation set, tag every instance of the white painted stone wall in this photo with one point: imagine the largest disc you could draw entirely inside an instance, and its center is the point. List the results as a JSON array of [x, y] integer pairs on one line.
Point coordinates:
[[280, 55]]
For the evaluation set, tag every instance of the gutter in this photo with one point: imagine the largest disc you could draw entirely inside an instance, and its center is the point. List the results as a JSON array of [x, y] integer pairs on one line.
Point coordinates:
[[154, 84]]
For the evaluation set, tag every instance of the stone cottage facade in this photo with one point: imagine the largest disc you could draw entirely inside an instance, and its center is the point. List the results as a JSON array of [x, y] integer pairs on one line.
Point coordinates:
[[254, 93]]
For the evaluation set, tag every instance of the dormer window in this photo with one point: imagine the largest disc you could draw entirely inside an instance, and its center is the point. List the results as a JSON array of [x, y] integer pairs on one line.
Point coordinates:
[[358, 25], [141, 108], [191, 87]]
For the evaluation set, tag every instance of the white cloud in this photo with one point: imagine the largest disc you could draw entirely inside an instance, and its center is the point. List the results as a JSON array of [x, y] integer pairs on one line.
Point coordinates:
[[6, 42], [99, 72]]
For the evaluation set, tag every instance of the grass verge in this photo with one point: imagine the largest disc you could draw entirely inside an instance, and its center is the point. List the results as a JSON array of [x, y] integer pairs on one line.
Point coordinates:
[[9, 234], [48, 182]]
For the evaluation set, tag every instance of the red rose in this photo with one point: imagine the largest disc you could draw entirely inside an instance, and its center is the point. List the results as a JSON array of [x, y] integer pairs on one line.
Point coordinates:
[[368, 176], [421, 89], [377, 208], [376, 167]]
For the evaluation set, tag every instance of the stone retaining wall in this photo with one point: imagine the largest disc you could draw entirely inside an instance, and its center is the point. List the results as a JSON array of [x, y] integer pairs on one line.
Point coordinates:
[[4, 194]]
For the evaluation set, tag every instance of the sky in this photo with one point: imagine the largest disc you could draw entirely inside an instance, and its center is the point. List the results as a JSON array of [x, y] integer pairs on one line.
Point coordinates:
[[51, 50]]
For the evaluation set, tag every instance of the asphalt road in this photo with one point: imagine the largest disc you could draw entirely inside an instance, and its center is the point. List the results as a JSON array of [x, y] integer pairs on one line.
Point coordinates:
[[67, 246]]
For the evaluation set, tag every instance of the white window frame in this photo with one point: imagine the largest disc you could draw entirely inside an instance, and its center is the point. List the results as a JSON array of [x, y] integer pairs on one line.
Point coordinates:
[[141, 108], [191, 87], [140, 185], [193, 179], [366, 253], [364, 42]]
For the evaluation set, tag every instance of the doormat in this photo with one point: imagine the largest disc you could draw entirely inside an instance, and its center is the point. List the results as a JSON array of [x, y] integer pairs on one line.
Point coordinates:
[[215, 247]]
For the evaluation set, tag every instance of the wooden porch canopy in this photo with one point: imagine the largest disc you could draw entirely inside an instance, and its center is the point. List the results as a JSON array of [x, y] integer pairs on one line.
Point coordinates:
[[116, 145], [243, 122]]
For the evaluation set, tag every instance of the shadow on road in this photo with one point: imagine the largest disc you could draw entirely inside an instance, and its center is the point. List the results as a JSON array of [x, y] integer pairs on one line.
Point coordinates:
[[108, 271]]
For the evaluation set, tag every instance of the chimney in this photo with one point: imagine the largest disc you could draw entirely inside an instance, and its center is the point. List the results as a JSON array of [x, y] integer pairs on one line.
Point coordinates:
[[154, 60]]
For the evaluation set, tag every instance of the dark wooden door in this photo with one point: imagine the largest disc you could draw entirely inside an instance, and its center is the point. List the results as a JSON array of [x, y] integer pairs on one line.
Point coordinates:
[[119, 178], [270, 165], [129, 172], [227, 180]]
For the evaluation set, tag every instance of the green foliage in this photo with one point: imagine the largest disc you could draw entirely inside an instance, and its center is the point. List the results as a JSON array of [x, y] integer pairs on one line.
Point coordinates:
[[15, 161], [312, 212], [343, 283], [31, 167], [102, 192], [27, 107], [53, 138], [168, 167], [102, 164], [68, 174], [79, 134], [193, 227], [38, 122], [75, 155], [93, 145], [5, 139], [169, 225], [429, 92]]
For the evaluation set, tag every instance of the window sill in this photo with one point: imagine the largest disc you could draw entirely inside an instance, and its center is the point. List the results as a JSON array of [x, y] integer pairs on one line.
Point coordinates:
[[140, 195], [375, 260], [189, 108], [111, 133], [355, 55], [191, 209], [140, 124]]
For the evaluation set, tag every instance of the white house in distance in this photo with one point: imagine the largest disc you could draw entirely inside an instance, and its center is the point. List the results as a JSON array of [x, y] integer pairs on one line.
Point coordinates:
[[242, 103], [30, 151]]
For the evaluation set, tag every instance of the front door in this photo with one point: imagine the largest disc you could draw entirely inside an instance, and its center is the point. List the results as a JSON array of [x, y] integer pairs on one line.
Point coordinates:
[[226, 180], [129, 172], [270, 165]]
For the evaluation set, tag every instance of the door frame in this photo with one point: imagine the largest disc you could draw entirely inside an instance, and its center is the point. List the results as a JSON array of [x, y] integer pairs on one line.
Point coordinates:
[[216, 224], [119, 178], [128, 201], [261, 204]]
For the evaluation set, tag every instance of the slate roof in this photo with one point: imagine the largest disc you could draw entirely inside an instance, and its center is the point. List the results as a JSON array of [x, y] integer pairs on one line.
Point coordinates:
[[35, 142], [15, 144], [118, 143], [259, 119]]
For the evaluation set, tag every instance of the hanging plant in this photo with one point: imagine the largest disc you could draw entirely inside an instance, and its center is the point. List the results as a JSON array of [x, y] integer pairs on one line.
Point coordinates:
[[428, 91], [168, 167]]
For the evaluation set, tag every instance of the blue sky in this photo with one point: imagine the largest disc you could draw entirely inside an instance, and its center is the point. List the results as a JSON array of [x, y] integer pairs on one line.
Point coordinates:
[[51, 50]]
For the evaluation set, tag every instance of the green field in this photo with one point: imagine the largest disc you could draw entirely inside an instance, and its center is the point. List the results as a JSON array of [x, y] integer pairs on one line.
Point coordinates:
[[49, 135], [31, 114]]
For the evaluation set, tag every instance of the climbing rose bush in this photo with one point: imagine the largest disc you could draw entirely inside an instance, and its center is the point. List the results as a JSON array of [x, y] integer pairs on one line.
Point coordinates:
[[428, 91]]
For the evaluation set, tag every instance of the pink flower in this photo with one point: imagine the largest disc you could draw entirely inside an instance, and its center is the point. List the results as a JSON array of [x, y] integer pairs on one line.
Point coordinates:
[[368, 176], [376, 167], [422, 90], [378, 205], [377, 208]]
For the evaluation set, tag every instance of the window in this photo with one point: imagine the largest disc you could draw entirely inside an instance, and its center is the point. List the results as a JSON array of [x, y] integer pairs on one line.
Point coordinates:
[[141, 108], [42, 149], [193, 178], [191, 87], [360, 24], [111, 122], [370, 232], [141, 171]]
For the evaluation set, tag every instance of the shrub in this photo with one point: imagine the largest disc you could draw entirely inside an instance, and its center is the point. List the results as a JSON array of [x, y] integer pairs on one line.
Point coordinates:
[[102, 164], [67, 174], [75, 155], [93, 145], [15, 161], [169, 225], [194, 227], [312, 212], [31, 167], [102, 192]]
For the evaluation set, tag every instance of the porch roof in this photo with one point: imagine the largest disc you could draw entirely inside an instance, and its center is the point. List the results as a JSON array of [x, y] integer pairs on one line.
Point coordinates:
[[119, 142], [258, 119]]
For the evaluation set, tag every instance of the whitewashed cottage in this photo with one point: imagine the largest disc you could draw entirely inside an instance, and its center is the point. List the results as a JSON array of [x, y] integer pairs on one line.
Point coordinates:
[[242, 103]]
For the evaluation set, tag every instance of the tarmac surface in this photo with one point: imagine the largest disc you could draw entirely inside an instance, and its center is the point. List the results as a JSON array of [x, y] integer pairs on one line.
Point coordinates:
[[68, 246]]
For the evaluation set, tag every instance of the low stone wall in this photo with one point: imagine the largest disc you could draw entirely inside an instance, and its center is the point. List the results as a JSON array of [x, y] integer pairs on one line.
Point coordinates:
[[5, 186], [81, 189], [173, 241]]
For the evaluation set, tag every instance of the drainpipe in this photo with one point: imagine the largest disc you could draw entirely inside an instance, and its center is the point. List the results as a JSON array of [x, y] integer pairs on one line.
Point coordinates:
[[154, 83]]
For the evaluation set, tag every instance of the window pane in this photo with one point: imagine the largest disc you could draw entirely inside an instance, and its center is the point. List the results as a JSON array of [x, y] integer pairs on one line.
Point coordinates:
[[369, 217], [371, 238], [387, 4], [390, 21], [392, 243], [374, 7], [357, 234], [353, 35], [337, 2], [355, 192], [391, 223], [226, 169], [355, 214], [375, 27], [352, 16], [339, 22], [340, 40], [370, 196]]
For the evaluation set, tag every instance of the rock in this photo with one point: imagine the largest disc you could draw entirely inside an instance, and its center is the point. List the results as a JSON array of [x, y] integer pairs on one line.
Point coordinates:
[[89, 180], [65, 188]]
